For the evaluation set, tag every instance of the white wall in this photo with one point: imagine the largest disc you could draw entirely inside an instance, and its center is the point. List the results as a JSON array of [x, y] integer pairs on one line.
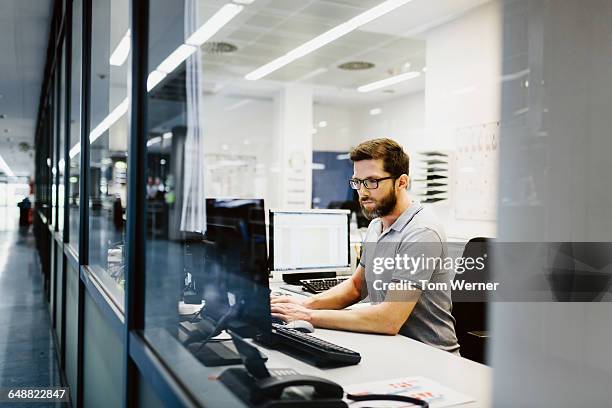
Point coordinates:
[[401, 119], [462, 88], [337, 136]]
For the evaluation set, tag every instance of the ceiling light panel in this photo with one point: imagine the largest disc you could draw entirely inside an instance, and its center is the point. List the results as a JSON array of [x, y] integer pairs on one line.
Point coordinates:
[[176, 58], [383, 83], [326, 38], [121, 52], [214, 24]]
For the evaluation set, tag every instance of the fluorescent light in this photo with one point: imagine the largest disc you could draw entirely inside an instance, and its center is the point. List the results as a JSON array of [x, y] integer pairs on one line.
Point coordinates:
[[375, 111], [243, 1], [176, 58], [388, 81], [119, 56], [154, 78], [167, 135], [214, 24], [76, 149], [323, 124], [153, 140], [5, 167], [325, 38], [424, 69], [109, 120]]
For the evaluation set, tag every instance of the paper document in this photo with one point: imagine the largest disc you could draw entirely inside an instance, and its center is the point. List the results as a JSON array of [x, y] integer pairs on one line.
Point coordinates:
[[417, 387]]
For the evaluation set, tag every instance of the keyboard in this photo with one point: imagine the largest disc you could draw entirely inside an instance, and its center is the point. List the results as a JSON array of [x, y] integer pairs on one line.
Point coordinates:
[[311, 349], [320, 285]]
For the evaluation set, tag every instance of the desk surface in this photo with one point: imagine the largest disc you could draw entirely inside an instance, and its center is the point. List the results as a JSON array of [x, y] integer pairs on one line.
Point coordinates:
[[385, 357]]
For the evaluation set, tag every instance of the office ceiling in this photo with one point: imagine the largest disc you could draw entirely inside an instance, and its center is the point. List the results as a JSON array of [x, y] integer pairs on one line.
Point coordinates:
[[24, 33], [267, 29]]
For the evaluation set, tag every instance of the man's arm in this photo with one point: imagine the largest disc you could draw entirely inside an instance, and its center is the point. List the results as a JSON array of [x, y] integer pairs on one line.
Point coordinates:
[[384, 318], [338, 297]]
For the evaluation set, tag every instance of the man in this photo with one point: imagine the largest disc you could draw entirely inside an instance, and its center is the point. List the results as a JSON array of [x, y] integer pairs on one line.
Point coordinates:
[[399, 228]]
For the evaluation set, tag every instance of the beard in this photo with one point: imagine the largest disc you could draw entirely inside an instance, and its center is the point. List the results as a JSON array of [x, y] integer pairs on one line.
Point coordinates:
[[382, 207]]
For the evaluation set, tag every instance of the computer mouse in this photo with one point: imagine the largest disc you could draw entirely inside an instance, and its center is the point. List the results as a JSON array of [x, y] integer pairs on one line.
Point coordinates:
[[301, 325]]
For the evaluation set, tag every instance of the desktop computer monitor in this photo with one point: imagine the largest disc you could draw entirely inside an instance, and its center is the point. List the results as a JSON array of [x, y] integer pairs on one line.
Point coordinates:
[[235, 270], [236, 287], [309, 244]]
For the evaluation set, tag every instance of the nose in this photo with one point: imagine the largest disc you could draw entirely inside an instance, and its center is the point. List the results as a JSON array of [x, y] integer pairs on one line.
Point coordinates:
[[362, 191]]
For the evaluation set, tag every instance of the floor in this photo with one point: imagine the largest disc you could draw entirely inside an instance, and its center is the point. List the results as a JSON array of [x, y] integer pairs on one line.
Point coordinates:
[[28, 356]]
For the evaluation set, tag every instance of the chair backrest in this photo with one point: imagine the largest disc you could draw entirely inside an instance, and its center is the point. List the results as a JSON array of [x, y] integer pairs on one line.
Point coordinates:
[[471, 316]]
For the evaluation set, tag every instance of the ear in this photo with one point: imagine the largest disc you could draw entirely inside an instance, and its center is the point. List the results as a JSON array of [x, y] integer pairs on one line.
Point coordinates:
[[403, 181]]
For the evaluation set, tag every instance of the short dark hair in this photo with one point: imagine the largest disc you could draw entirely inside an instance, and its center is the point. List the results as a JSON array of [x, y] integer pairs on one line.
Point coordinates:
[[395, 160]]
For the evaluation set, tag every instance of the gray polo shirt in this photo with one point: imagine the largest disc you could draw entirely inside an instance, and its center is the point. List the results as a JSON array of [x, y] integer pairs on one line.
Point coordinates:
[[414, 241]]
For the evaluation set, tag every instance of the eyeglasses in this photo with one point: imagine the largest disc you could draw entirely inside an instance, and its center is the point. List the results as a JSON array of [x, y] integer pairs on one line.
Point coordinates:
[[370, 183]]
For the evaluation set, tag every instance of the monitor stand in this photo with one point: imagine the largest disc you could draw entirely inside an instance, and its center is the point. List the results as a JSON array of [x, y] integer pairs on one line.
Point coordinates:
[[215, 354], [294, 278]]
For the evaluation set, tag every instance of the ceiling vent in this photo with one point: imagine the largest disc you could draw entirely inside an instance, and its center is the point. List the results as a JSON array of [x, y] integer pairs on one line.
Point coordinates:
[[356, 65]]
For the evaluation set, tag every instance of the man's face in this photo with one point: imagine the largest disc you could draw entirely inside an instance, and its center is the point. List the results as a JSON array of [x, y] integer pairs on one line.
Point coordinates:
[[376, 202]]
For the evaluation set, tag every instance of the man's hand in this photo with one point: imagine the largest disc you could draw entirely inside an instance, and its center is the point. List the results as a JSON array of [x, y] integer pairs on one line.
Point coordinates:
[[296, 300], [291, 311]]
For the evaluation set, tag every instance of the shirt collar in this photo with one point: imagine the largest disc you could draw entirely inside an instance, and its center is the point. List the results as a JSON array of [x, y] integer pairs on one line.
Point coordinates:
[[406, 216]]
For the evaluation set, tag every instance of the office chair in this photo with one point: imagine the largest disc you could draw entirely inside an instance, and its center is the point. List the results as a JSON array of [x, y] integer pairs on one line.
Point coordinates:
[[471, 316]]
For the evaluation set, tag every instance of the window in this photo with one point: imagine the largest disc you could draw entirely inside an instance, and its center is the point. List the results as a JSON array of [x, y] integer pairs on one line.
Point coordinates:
[[74, 153], [108, 140], [61, 139]]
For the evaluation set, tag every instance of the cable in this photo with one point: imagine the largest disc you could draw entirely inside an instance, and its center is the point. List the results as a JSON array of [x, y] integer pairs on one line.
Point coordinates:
[[388, 397]]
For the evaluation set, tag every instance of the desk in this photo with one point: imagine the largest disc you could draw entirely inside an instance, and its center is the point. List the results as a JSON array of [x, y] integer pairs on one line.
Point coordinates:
[[385, 357]]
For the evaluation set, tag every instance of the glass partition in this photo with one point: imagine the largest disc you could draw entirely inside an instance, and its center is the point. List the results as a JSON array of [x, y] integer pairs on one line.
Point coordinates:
[[108, 139], [53, 153], [74, 153], [264, 99], [61, 140]]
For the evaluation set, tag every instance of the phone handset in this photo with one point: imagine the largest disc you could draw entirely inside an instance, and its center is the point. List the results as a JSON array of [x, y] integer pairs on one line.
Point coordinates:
[[273, 387]]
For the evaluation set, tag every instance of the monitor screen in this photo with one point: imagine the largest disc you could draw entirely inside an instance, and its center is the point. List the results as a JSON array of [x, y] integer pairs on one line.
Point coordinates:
[[309, 240], [235, 264]]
